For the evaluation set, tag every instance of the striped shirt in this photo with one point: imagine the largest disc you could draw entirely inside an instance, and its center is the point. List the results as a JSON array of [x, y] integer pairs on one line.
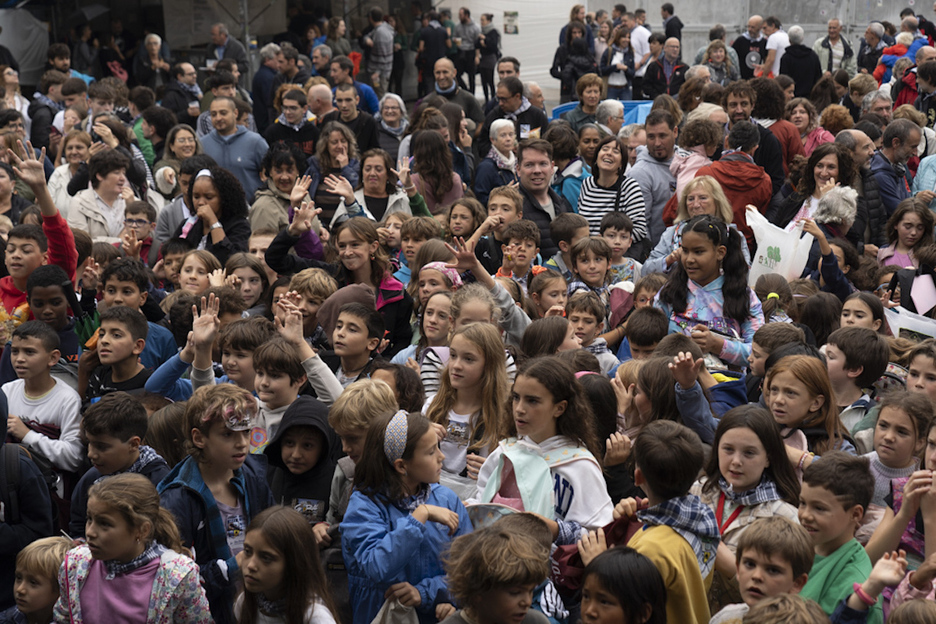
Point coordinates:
[[596, 201]]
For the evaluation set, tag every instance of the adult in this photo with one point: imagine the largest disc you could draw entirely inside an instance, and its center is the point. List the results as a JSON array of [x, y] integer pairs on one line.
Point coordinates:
[[740, 98], [906, 90], [609, 190], [511, 104], [777, 43], [219, 221], [588, 89], [577, 15], [640, 40], [541, 204], [183, 95], [281, 167], [12, 97], [76, 150], [858, 87], [802, 114], [499, 167], [321, 60], [609, 117], [617, 65], [507, 67], [926, 85], [85, 53], [47, 101], [667, 73], [570, 167], [721, 67], [465, 37], [800, 63], [99, 210], [336, 154], [571, 61], [672, 25], [336, 38], [433, 173], [589, 137], [379, 193], [446, 87], [221, 84], [157, 122], [717, 33], [768, 111], [834, 52], [224, 46], [534, 93], [751, 40], [234, 147], [878, 103], [59, 58], [11, 204], [434, 42], [870, 207], [652, 172], [262, 86], [889, 164], [181, 143], [392, 124], [341, 72], [320, 101], [360, 123], [289, 70], [830, 164], [489, 50], [151, 69], [295, 125]]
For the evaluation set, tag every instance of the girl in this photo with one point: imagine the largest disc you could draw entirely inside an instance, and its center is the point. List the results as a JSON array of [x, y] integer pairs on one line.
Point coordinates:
[[197, 267], [776, 298], [618, 573], [609, 189], [591, 266], [273, 294], [472, 399], [219, 224], [246, 273], [433, 175], [464, 217], [388, 231], [549, 336], [922, 370], [863, 309], [133, 566], [552, 423], [399, 520], [431, 274], [548, 293], [404, 381], [800, 397], [821, 313], [434, 325], [283, 579], [706, 295], [910, 228]]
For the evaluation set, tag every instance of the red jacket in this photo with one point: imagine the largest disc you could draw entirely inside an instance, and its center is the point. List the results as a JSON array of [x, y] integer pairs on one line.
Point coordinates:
[[790, 142], [908, 89], [62, 252], [744, 183]]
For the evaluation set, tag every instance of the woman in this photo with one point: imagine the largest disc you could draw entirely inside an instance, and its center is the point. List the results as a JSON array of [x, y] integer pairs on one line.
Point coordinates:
[[499, 167], [115, 135], [152, 70], [463, 160], [564, 62], [489, 44], [589, 136], [702, 195], [335, 154], [609, 189], [378, 195], [425, 117], [788, 85], [690, 94], [433, 175], [11, 204], [13, 98], [836, 118], [219, 224], [719, 63], [801, 113], [336, 39], [589, 89], [603, 40], [768, 111], [617, 65], [400, 44], [76, 147], [391, 124], [181, 143]]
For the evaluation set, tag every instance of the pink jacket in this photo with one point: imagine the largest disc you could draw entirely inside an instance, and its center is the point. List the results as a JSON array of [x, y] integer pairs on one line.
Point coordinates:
[[817, 137], [906, 592], [685, 164]]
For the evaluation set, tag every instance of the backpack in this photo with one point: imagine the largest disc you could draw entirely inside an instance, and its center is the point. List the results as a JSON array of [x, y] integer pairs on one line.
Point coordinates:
[[9, 484]]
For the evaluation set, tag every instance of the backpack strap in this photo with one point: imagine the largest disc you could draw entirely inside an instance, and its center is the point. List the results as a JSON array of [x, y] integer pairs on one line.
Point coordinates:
[[9, 483]]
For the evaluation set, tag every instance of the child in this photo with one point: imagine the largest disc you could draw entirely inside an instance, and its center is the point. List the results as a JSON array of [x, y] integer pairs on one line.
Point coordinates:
[[313, 286], [909, 229], [646, 327], [707, 297], [434, 328], [399, 520], [164, 433], [623, 584], [121, 340], [218, 489], [504, 206], [591, 259], [835, 493], [856, 357], [492, 573], [358, 333], [566, 230], [114, 428], [238, 342], [768, 338], [250, 281], [388, 230], [169, 269], [921, 375], [134, 566], [433, 277], [283, 578], [585, 312], [617, 228], [521, 246], [257, 245], [472, 399], [197, 266], [863, 309], [137, 237], [552, 425], [36, 588], [404, 382], [219, 189], [548, 292], [413, 234], [549, 336], [300, 455], [839, 257], [44, 413], [646, 289], [776, 298], [278, 377], [463, 218]]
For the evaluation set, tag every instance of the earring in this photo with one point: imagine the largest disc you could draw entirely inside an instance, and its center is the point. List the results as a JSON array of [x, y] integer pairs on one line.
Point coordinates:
[[372, 256]]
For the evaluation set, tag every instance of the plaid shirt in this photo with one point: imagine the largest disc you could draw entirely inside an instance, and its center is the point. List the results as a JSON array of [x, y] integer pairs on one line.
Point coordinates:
[[764, 492], [691, 518]]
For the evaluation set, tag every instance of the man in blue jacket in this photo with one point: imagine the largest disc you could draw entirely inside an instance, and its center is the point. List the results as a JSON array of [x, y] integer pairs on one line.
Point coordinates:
[[234, 147], [889, 164], [262, 88]]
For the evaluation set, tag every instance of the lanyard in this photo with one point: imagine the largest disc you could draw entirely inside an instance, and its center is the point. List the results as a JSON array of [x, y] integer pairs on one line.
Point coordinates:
[[721, 512]]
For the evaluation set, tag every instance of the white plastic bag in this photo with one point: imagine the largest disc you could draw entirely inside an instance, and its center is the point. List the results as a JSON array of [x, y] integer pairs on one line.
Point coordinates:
[[778, 251]]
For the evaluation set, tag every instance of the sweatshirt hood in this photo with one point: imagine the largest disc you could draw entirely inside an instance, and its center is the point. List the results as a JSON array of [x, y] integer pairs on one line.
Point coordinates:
[[740, 175], [303, 412], [644, 155]]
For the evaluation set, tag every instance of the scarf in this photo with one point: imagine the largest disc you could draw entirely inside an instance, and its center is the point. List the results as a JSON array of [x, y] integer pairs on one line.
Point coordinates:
[[115, 568], [693, 520], [446, 91], [46, 100], [193, 90], [747, 35], [397, 132], [410, 503], [309, 118], [435, 24], [764, 492], [486, 29], [275, 608], [524, 107], [147, 455], [503, 162]]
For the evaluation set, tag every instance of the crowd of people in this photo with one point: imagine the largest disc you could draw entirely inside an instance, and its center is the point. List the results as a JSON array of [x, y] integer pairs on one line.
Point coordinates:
[[299, 350]]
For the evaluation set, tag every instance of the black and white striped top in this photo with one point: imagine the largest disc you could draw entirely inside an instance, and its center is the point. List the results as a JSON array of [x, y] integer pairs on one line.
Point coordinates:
[[596, 201]]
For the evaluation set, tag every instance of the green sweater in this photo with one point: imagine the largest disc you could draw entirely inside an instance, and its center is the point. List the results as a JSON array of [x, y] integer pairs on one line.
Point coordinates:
[[831, 579]]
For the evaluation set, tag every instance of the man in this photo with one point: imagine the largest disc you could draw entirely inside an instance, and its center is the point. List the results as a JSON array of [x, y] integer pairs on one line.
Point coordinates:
[[667, 73], [320, 102], [871, 49], [609, 117], [879, 103], [907, 90], [926, 84], [263, 84], [59, 58], [288, 70], [295, 124], [47, 101], [361, 124], [341, 72], [750, 41], [889, 164], [444, 73], [652, 173], [541, 204], [635, 138], [529, 120], [434, 42], [534, 93], [156, 124], [464, 36], [507, 66], [182, 95], [743, 181], [834, 52], [234, 147], [224, 46], [715, 33], [858, 87], [699, 71], [739, 102], [321, 60], [640, 41], [672, 25], [617, 13], [871, 217], [801, 64], [777, 43], [380, 61], [222, 84], [74, 95], [641, 16]]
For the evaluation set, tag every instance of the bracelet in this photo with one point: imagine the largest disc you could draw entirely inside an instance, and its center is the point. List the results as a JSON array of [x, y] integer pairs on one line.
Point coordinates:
[[802, 460], [216, 225], [863, 596], [411, 187]]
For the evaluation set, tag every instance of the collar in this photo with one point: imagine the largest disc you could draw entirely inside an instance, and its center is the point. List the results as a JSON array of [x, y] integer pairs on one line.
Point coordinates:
[[524, 107], [693, 520], [714, 285], [410, 503], [274, 608], [747, 35], [115, 568], [764, 492], [446, 91]]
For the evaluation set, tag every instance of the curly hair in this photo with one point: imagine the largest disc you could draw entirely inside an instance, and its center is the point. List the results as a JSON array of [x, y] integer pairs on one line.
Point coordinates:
[[836, 118], [690, 94], [701, 132], [770, 99], [324, 156], [808, 106], [229, 190]]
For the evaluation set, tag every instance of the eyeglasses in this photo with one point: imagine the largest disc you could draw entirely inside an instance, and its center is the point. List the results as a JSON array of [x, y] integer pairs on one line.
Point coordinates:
[[391, 108], [136, 223]]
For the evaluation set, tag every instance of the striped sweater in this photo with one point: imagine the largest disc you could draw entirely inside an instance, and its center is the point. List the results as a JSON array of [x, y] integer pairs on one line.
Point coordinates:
[[596, 201]]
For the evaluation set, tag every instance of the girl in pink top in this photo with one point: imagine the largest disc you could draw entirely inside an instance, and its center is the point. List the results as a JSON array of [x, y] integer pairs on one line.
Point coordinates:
[[908, 229]]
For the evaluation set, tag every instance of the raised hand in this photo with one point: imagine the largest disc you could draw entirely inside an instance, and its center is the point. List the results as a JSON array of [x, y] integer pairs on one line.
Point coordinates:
[[685, 371], [403, 172], [131, 246], [289, 322], [91, 276], [205, 324], [625, 395], [617, 449], [216, 278], [29, 169], [339, 185], [302, 218], [299, 190], [465, 258]]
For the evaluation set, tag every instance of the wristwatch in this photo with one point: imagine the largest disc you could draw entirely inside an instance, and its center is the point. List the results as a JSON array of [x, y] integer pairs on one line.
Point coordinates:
[[216, 225]]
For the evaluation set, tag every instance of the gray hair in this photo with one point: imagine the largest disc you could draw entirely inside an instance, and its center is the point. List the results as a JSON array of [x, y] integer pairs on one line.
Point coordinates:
[[269, 52], [498, 125], [222, 28], [324, 50], [696, 69], [151, 37], [398, 100], [877, 28], [703, 111], [607, 109], [796, 35], [629, 130], [910, 23], [526, 88], [868, 101], [846, 138], [838, 207]]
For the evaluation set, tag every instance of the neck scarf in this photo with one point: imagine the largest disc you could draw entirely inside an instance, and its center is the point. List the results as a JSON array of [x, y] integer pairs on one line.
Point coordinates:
[[524, 106], [503, 162], [435, 24], [693, 520], [397, 132], [45, 99], [147, 455], [273, 608], [410, 503], [764, 492], [446, 91], [193, 90], [309, 118], [115, 568]]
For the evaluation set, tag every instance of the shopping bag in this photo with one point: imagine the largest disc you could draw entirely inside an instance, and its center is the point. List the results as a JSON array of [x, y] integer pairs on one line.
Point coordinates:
[[778, 251]]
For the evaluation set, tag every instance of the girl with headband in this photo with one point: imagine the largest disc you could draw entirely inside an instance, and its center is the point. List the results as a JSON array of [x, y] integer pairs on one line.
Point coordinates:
[[399, 521]]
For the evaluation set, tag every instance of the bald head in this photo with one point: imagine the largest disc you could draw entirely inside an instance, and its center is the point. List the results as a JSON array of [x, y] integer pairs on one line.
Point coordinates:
[[320, 99], [754, 26], [925, 54], [860, 144], [671, 49], [444, 73]]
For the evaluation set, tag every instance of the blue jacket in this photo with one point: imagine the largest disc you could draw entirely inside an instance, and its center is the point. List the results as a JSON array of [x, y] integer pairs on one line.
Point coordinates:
[[261, 92], [888, 60], [383, 545], [368, 101], [488, 177], [893, 187], [160, 346], [728, 394], [695, 412], [925, 179], [241, 154], [167, 380], [184, 493], [835, 281]]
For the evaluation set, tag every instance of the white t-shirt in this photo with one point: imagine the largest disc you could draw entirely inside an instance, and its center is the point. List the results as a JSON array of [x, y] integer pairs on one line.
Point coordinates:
[[778, 41], [59, 407], [640, 41], [317, 613]]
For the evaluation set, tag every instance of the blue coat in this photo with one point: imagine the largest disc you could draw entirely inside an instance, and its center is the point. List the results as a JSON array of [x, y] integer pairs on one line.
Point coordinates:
[[488, 177], [383, 545], [894, 188], [241, 154]]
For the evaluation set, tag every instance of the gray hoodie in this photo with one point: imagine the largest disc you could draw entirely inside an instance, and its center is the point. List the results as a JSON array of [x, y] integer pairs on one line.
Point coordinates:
[[657, 184]]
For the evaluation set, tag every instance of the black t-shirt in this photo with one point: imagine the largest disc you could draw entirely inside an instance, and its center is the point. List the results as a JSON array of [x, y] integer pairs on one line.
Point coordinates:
[[377, 206], [101, 382], [435, 44]]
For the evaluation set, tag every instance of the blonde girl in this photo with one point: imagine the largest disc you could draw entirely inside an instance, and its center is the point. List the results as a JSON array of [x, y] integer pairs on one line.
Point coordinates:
[[197, 268]]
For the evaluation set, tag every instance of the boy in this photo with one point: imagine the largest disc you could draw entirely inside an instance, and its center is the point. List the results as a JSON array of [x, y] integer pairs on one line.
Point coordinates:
[[616, 228], [646, 327], [646, 289], [856, 357], [313, 287], [413, 234], [591, 259], [216, 491], [44, 413], [835, 493], [139, 223], [505, 205], [114, 429], [278, 376], [520, 247], [586, 313], [121, 340], [357, 335], [768, 338], [566, 229], [725, 388], [257, 245], [36, 588], [680, 533], [300, 455], [172, 252]]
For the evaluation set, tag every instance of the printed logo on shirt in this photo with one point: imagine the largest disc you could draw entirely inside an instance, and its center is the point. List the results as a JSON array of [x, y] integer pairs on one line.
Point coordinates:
[[457, 433], [236, 526], [310, 509], [563, 493]]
